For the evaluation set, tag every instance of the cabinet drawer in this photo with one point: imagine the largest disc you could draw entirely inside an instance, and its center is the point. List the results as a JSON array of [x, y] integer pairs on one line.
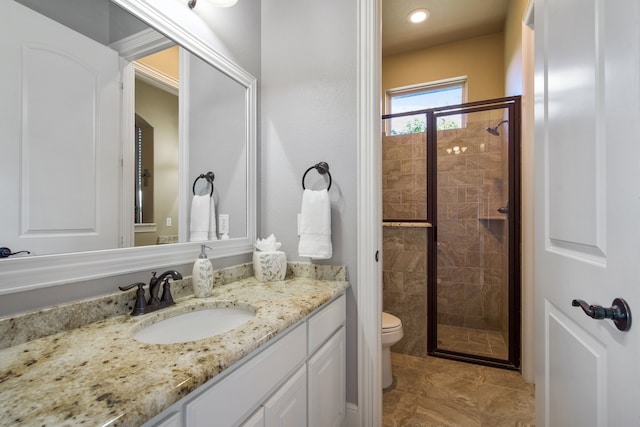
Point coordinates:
[[240, 393], [325, 323]]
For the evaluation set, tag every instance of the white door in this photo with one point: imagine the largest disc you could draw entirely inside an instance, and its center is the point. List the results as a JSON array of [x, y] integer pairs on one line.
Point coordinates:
[[60, 128], [587, 138]]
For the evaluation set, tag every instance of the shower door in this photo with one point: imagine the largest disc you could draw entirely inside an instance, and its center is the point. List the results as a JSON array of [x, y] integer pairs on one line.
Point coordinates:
[[474, 202]]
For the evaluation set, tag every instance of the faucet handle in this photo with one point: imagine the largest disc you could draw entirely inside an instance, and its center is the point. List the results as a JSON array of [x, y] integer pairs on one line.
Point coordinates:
[[141, 304], [166, 293], [131, 286]]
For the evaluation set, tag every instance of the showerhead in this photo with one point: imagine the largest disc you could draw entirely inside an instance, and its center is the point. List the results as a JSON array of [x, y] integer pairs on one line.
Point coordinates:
[[494, 130]]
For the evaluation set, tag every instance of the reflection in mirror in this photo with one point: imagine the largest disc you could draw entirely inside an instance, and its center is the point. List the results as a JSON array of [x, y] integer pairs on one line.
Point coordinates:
[[180, 128], [156, 148], [216, 117], [144, 172], [72, 80]]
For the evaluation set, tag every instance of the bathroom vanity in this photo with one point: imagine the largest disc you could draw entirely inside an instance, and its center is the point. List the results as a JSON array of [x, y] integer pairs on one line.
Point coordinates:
[[285, 363]]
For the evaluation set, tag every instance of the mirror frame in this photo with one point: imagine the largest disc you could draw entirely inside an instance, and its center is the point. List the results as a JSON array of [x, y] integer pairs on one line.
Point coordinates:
[[170, 18]]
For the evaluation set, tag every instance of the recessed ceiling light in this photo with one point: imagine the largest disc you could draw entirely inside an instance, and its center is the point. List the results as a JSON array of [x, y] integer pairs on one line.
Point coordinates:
[[418, 15]]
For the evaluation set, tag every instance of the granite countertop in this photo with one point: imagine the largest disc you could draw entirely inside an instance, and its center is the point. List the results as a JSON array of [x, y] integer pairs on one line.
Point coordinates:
[[96, 374]]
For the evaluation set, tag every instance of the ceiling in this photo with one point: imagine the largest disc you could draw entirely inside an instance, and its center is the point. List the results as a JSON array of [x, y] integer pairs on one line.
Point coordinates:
[[449, 21]]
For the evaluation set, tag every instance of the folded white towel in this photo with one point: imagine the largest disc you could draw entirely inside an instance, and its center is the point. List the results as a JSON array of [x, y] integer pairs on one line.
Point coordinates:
[[315, 225], [200, 218]]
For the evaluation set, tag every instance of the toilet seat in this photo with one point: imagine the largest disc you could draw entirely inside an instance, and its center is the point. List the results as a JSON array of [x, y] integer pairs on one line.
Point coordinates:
[[390, 323], [391, 333]]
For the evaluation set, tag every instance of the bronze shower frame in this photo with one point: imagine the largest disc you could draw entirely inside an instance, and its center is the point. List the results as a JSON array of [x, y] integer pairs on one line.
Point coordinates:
[[513, 107]]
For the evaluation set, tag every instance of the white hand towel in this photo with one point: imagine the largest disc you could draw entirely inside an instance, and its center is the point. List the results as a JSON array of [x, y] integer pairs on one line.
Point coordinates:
[[200, 218], [212, 220], [315, 225]]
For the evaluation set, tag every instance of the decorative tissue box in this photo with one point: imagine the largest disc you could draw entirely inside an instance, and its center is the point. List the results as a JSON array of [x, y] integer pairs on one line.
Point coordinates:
[[269, 266]]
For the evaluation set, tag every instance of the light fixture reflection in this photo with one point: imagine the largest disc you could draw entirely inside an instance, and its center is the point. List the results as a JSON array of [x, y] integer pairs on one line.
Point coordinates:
[[418, 15], [215, 3], [456, 149]]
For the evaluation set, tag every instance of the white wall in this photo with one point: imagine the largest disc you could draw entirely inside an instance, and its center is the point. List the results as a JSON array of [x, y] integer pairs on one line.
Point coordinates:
[[308, 105]]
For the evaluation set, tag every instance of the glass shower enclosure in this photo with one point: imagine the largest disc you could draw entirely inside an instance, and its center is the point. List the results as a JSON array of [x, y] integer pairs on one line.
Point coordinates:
[[451, 236]]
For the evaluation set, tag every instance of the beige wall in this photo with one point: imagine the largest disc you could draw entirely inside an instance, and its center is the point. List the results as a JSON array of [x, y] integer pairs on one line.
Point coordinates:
[[519, 81], [166, 61], [513, 48], [481, 59], [160, 110]]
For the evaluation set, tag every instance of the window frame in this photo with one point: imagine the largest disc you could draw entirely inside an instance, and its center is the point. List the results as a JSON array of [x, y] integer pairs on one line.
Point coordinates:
[[460, 81]]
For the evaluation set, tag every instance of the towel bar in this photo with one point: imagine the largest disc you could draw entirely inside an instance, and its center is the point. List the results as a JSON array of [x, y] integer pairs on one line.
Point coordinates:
[[209, 176], [322, 168]]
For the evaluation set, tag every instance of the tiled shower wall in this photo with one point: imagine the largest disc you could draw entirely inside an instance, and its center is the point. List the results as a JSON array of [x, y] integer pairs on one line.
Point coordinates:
[[405, 249], [405, 285], [471, 233]]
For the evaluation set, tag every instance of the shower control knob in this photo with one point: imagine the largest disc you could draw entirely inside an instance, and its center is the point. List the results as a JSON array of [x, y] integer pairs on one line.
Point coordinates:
[[619, 312]]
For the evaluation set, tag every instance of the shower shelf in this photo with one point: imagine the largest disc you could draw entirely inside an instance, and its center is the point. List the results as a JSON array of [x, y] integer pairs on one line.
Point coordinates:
[[407, 224]]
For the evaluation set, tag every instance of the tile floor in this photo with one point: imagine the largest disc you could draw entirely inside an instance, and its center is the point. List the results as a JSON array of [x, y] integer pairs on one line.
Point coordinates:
[[472, 341], [430, 391]]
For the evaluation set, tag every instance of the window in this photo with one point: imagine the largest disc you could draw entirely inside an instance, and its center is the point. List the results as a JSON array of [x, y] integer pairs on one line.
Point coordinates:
[[420, 97]]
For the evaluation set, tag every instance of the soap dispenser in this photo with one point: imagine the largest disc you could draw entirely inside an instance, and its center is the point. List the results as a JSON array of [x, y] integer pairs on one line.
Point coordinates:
[[202, 277]]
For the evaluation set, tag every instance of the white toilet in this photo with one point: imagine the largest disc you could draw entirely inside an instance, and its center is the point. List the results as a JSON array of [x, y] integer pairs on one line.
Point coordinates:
[[391, 334]]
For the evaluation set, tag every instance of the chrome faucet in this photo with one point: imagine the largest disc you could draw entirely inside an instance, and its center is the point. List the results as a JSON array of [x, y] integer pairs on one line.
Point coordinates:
[[141, 305]]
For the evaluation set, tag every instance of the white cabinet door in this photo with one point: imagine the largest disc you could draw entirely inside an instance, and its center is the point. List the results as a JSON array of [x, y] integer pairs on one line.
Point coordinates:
[[172, 420], [288, 407], [255, 420], [229, 401], [327, 382]]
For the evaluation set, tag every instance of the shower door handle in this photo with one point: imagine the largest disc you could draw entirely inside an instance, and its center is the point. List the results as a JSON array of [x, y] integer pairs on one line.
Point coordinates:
[[503, 210], [619, 312]]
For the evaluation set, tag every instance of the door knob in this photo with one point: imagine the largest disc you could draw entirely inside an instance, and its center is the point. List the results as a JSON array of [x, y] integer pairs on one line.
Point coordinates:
[[6, 252], [619, 312]]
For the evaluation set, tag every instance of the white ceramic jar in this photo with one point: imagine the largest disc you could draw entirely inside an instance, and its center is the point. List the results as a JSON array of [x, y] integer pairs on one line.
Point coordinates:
[[269, 266]]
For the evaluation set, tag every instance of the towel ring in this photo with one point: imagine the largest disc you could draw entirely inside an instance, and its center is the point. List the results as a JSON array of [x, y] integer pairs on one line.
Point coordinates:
[[209, 176], [322, 168]]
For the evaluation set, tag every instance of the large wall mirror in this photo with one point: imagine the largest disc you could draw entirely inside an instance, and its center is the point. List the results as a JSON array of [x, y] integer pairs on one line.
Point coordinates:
[[128, 142]]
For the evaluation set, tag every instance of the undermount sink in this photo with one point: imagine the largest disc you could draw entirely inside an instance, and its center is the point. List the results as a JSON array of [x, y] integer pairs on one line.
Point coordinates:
[[193, 326]]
